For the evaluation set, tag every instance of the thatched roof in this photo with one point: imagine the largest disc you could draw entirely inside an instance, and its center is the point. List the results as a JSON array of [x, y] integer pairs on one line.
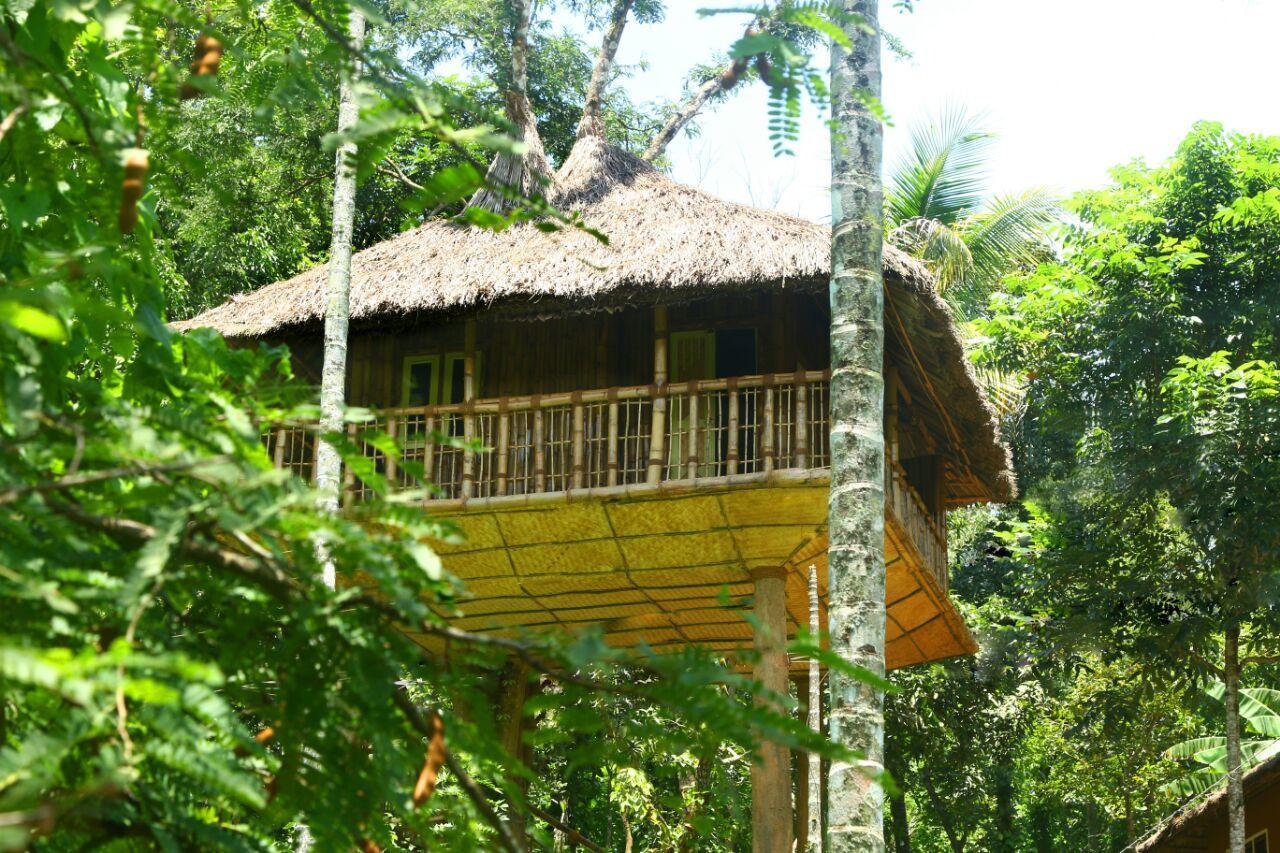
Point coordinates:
[[1190, 826], [664, 238]]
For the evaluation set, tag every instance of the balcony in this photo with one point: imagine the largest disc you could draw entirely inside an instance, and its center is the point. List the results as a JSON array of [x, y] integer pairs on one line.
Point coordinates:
[[600, 444]]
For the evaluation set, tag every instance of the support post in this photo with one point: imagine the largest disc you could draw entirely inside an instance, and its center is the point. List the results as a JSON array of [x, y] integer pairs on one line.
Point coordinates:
[[468, 395], [771, 775], [800, 772], [658, 429]]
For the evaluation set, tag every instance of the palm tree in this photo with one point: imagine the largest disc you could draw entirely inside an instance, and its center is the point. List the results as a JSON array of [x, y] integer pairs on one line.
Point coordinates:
[[936, 209]]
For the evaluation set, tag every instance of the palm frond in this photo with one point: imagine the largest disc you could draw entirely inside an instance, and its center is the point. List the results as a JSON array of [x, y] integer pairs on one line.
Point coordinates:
[[943, 175], [937, 244], [1012, 231]]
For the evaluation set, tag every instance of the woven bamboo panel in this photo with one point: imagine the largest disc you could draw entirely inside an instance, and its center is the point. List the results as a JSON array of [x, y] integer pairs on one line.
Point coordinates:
[[671, 570]]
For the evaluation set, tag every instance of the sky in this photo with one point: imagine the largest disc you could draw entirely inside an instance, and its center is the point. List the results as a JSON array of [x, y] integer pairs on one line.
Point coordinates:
[[1070, 89]]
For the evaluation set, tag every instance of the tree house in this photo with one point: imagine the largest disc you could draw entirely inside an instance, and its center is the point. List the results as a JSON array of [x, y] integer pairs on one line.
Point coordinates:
[[655, 412]]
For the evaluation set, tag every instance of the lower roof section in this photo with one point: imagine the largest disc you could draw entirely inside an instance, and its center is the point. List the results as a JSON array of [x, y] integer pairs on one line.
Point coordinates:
[[675, 569]]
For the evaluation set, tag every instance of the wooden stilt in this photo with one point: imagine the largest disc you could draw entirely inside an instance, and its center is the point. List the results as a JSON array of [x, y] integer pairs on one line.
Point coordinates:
[[771, 775]]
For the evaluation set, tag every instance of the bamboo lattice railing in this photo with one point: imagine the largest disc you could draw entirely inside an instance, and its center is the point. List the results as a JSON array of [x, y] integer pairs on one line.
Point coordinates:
[[709, 432]]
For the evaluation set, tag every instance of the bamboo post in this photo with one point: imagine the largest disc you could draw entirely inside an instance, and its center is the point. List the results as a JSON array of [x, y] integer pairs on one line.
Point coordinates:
[[503, 449], [539, 473], [801, 427], [428, 453], [279, 451], [349, 476], [691, 457], [579, 447], [468, 395], [891, 412], [813, 794], [731, 453], [658, 431], [613, 443], [392, 464], [771, 775], [767, 451]]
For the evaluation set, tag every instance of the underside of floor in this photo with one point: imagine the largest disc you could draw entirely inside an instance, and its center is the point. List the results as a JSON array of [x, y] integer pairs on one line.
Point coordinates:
[[675, 569]]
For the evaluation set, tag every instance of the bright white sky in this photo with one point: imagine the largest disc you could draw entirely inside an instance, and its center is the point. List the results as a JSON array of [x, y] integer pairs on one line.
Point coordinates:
[[1071, 88]]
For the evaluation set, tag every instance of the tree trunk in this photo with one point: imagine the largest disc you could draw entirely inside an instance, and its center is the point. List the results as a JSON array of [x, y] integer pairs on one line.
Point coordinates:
[[901, 830], [1235, 774], [333, 378], [525, 174], [897, 802], [1004, 809], [813, 832], [856, 572]]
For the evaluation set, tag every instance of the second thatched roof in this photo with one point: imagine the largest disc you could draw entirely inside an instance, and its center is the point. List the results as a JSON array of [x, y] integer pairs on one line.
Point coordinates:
[[663, 237]]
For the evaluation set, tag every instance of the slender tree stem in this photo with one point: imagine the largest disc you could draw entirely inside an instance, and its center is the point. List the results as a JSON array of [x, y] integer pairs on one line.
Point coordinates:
[[1235, 774], [333, 378], [856, 570]]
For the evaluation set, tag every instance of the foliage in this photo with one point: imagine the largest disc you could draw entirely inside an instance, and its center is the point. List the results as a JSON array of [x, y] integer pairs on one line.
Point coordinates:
[[1208, 755], [936, 209]]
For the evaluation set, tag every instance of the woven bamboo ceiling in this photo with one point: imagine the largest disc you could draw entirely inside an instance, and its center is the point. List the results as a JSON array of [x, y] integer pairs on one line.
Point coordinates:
[[672, 570]]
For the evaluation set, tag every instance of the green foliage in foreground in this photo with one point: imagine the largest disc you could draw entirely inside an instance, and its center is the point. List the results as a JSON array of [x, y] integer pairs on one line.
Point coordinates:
[[173, 673]]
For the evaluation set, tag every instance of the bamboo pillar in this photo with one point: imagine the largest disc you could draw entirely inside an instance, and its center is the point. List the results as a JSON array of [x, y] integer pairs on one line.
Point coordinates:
[[771, 775], [801, 435], [891, 412], [800, 772], [468, 395], [612, 443], [503, 449], [392, 465], [813, 706], [658, 429]]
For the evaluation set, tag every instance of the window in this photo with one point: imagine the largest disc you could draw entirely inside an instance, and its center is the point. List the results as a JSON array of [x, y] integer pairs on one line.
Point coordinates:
[[419, 379], [1256, 844], [423, 383]]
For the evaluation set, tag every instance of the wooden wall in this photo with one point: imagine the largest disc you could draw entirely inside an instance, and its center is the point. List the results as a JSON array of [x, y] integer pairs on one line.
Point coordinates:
[[603, 349]]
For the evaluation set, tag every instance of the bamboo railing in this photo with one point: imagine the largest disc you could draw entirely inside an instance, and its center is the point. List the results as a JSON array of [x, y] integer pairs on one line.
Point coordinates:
[[914, 519], [606, 442]]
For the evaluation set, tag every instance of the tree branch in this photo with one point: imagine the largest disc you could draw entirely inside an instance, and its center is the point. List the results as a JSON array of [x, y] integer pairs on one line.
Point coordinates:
[[590, 124], [728, 77], [473, 791], [571, 834], [130, 532], [74, 480]]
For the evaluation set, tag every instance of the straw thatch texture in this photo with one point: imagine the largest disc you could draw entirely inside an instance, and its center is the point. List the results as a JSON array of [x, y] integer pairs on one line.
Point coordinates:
[[665, 240]]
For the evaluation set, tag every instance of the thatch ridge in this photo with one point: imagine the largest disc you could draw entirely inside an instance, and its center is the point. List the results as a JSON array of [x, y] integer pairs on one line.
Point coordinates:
[[665, 239]]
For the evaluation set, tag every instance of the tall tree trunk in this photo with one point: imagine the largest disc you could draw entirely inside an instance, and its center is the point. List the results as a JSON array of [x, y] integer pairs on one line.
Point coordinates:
[[901, 829], [898, 802], [333, 377], [813, 832], [1235, 774], [856, 572], [1004, 809], [337, 314]]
